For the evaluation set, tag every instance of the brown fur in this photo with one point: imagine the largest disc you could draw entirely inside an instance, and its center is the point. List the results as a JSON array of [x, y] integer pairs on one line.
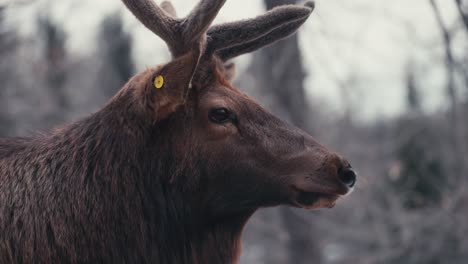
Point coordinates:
[[123, 187], [153, 178]]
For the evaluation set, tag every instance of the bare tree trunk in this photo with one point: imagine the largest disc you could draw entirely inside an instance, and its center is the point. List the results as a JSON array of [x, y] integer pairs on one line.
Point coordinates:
[[449, 60], [450, 65], [280, 74], [6, 48], [55, 73], [463, 13], [458, 139], [279, 77], [115, 54]]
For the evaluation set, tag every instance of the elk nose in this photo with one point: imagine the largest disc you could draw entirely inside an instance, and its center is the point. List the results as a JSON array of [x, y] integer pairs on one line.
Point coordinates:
[[347, 176]]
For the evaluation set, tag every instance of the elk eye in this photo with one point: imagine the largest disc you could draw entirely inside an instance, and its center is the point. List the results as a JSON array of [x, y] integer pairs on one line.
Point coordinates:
[[221, 115]]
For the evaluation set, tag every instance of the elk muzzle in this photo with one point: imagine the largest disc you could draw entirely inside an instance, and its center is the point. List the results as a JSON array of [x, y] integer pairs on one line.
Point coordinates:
[[327, 176]]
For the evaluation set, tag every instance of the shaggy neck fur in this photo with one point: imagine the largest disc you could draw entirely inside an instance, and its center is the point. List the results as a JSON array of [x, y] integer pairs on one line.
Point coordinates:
[[108, 189]]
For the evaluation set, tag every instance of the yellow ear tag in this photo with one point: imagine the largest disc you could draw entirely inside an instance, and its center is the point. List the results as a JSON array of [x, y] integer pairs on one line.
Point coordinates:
[[159, 82]]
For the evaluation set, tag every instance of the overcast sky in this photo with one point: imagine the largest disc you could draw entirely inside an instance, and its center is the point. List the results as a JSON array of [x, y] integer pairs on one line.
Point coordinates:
[[364, 42]]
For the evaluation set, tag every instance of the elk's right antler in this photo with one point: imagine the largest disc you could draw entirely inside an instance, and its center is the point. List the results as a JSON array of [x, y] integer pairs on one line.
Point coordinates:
[[233, 39]]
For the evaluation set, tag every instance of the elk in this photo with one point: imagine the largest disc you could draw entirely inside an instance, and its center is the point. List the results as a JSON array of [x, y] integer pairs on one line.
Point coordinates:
[[174, 165]]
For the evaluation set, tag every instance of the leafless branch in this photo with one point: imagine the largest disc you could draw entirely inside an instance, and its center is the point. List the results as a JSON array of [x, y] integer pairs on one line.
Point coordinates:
[[463, 14], [6, 3]]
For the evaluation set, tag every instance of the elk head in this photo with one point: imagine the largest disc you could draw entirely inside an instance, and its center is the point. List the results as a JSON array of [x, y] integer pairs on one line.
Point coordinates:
[[235, 155]]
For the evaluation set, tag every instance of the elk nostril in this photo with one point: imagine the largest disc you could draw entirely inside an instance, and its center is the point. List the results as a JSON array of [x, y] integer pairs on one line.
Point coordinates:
[[348, 177]]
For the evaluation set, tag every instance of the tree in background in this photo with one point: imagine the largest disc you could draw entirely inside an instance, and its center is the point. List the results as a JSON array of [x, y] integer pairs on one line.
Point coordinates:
[[3, 118], [462, 7], [454, 68], [413, 98], [277, 73], [421, 180], [55, 59], [7, 46], [115, 51]]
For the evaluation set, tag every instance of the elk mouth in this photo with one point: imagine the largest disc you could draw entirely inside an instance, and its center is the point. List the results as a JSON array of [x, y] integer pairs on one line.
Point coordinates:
[[313, 200]]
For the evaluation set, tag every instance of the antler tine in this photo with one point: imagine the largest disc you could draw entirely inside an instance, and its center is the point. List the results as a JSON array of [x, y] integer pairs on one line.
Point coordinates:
[[231, 34], [154, 18], [200, 19], [169, 8], [228, 40], [265, 40], [181, 35]]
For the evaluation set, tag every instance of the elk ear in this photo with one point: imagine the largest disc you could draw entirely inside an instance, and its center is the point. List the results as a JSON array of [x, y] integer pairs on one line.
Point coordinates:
[[171, 84], [229, 71]]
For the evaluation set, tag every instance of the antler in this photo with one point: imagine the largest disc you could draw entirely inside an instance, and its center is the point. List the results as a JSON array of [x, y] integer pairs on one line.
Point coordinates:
[[169, 8], [181, 35], [233, 39], [277, 34], [191, 40], [227, 40], [199, 20]]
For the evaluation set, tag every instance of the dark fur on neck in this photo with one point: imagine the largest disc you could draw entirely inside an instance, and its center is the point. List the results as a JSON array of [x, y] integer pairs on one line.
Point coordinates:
[[108, 189]]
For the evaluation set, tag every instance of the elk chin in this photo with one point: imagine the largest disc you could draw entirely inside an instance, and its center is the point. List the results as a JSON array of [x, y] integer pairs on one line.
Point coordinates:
[[313, 200]]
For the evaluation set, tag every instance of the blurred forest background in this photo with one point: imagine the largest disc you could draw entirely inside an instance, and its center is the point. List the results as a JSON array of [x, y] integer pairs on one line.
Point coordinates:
[[386, 84]]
